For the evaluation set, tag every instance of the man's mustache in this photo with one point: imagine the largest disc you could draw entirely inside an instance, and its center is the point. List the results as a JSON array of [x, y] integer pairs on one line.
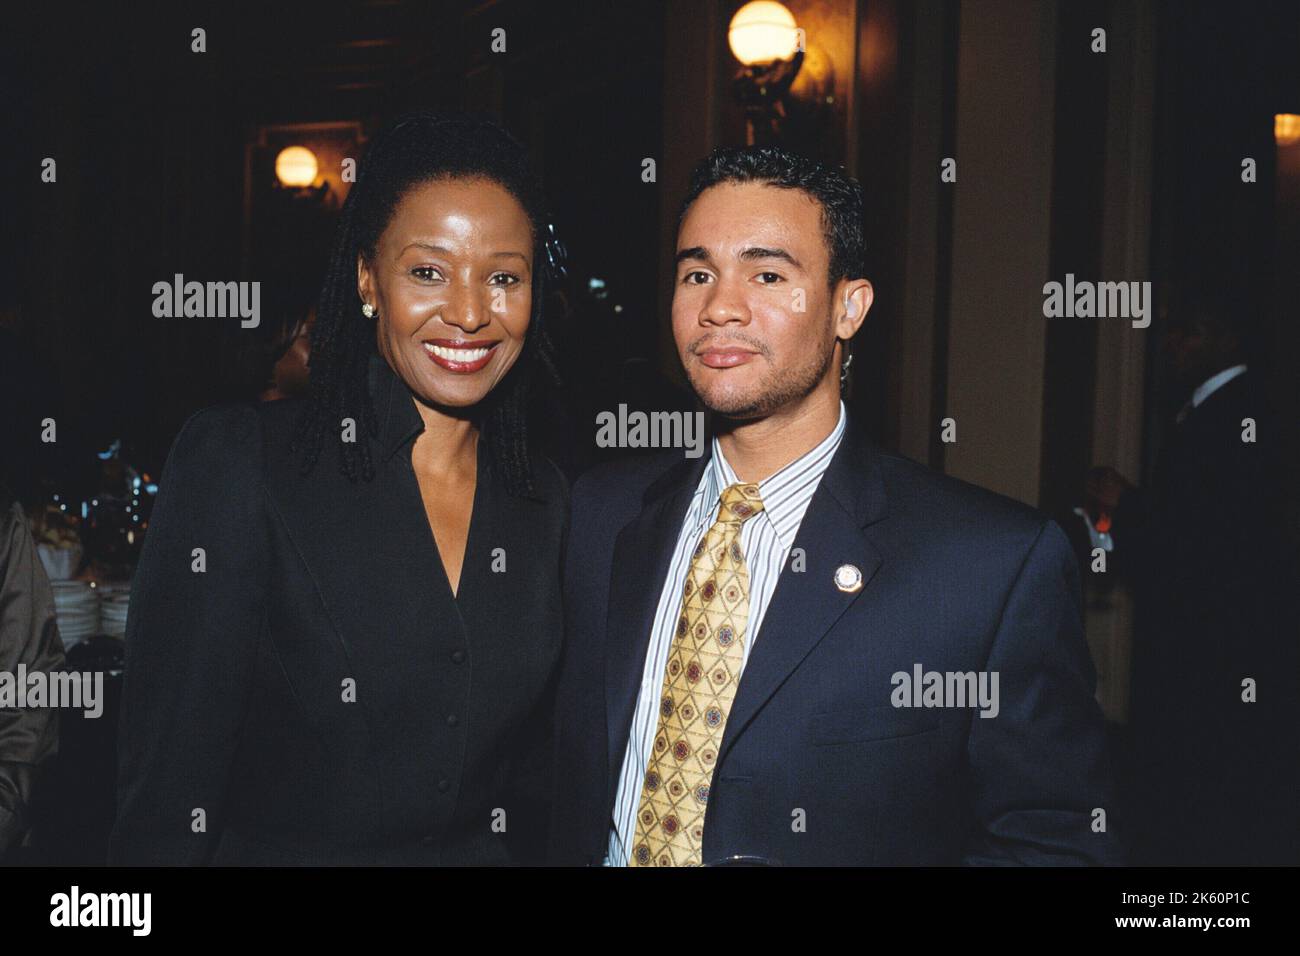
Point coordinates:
[[712, 340]]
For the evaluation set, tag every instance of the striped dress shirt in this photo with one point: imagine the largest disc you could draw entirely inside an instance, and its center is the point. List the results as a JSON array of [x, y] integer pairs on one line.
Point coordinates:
[[766, 539]]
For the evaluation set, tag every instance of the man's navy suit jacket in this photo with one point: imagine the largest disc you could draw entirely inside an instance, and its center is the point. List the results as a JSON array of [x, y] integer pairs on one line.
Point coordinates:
[[817, 767]]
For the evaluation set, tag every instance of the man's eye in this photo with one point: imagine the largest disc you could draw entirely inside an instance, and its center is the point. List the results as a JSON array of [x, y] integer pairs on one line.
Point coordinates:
[[770, 278], [504, 278], [426, 273], [695, 278]]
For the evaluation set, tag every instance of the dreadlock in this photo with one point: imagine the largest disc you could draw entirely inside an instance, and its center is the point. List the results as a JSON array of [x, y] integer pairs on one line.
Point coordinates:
[[415, 149]]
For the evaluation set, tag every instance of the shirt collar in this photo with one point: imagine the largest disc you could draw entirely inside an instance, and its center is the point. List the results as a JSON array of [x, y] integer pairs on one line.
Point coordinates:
[[398, 419], [786, 492], [1214, 383]]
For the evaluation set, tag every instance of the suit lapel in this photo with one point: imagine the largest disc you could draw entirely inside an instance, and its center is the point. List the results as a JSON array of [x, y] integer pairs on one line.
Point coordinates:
[[643, 554], [806, 604]]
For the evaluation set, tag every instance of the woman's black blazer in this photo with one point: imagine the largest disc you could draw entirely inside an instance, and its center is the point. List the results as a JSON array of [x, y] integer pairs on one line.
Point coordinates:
[[301, 684]]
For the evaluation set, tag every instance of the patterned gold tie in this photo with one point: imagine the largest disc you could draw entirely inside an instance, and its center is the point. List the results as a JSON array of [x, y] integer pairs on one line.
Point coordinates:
[[699, 686]]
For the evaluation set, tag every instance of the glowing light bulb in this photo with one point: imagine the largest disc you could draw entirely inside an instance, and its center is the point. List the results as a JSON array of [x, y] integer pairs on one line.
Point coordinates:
[[763, 31], [296, 166], [1286, 129]]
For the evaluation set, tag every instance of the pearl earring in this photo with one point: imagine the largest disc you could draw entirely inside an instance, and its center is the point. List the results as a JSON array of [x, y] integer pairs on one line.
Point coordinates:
[[368, 311]]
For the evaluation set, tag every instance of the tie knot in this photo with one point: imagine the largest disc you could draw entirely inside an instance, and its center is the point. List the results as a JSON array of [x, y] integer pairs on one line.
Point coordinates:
[[740, 503]]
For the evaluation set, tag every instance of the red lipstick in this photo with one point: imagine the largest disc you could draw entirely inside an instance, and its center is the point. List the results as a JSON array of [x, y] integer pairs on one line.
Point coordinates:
[[462, 356]]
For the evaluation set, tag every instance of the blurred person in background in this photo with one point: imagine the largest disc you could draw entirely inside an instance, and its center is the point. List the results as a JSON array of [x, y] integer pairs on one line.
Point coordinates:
[[270, 361], [29, 638], [1203, 544]]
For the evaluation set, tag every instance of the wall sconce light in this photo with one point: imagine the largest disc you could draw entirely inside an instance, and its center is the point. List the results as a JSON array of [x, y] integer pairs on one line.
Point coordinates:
[[1286, 129], [761, 32], [296, 167], [763, 36]]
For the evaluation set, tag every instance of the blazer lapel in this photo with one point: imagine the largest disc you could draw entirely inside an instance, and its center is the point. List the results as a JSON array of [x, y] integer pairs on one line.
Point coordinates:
[[806, 604], [643, 553]]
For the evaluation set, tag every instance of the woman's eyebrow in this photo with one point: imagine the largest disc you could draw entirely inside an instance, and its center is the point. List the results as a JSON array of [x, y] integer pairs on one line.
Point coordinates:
[[427, 246], [444, 251]]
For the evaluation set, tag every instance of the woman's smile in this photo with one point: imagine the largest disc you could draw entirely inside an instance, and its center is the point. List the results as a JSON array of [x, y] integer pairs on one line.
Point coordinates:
[[462, 356]]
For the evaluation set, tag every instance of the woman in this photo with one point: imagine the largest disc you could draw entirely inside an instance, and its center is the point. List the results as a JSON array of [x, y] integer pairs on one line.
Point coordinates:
[[347, 611]]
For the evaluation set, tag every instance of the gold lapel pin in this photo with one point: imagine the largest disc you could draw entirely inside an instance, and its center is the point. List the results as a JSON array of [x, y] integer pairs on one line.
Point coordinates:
[[848, 578]]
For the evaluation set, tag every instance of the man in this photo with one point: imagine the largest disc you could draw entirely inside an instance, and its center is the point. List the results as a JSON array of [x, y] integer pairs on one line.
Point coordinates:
[[1214, 759], [743, 627]]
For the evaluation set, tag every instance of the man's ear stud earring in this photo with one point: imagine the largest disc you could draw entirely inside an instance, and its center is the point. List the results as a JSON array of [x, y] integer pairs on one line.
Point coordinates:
[[368, 311]]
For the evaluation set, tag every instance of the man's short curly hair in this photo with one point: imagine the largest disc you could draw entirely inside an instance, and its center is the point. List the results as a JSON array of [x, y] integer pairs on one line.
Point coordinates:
[[838, 194]]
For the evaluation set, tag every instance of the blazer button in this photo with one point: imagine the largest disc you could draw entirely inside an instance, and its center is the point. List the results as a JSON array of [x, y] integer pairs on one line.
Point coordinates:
[[444, 786], [452, 720], [458, 657]]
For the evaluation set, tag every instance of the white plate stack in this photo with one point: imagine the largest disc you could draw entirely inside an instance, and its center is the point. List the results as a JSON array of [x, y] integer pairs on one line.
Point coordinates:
[[113, 600], [76, 606]]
